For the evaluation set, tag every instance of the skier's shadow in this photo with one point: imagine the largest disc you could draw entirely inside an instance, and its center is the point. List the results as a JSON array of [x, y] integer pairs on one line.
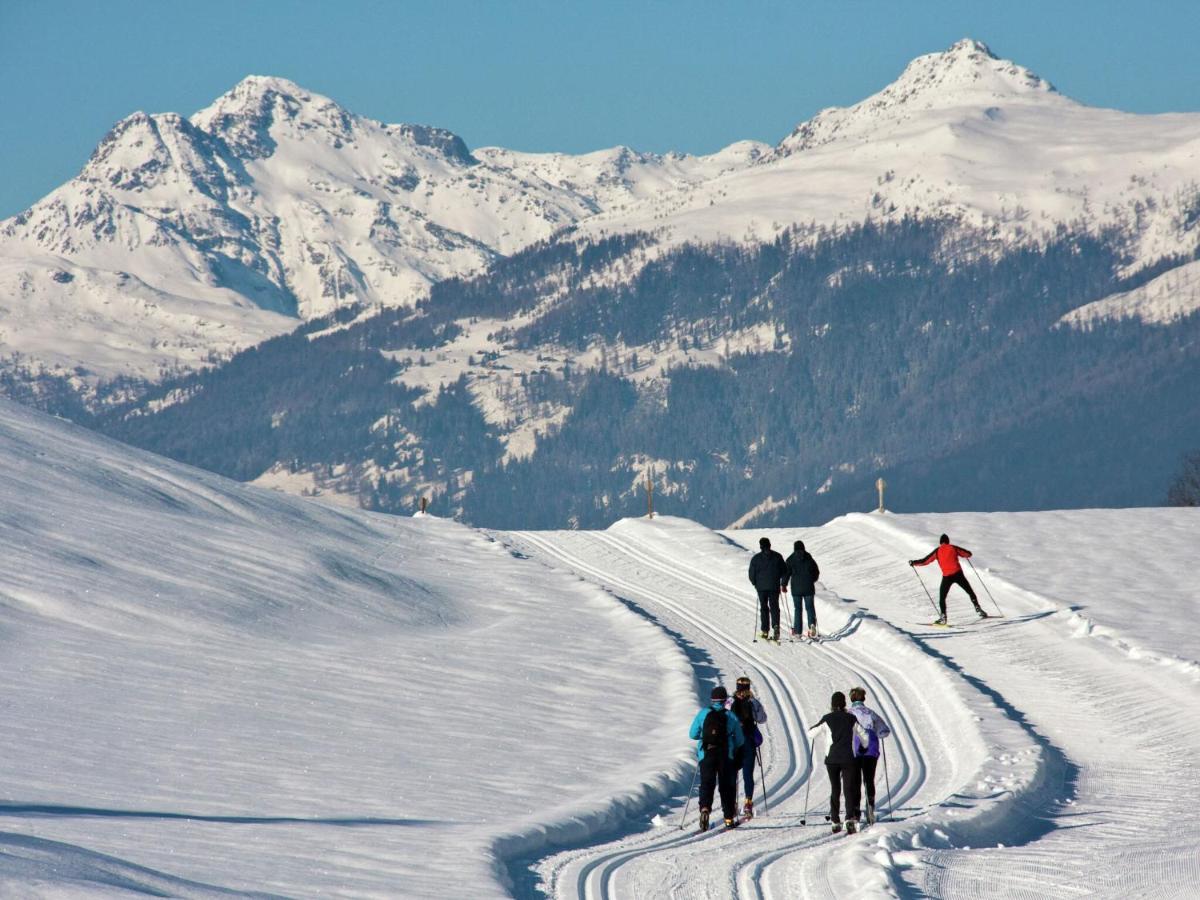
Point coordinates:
[[50, 810]]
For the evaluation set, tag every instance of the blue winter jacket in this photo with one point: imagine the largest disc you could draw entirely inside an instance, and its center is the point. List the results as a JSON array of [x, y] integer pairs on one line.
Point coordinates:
[[733, 728]]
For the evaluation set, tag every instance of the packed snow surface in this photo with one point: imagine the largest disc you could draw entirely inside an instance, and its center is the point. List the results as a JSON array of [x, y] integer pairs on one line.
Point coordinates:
[[214, 688], [218, 689]]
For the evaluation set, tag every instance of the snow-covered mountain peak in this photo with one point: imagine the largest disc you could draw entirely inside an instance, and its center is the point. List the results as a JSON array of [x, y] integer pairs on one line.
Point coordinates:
[[968, 67], [247, 116], [967, 75]]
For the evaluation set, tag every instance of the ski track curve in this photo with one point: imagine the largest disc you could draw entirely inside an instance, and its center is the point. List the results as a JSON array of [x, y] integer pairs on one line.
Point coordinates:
[[1116, 733], [922, 701]]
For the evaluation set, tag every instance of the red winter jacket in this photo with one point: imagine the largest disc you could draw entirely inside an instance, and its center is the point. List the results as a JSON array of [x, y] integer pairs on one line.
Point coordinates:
[[947, 557]]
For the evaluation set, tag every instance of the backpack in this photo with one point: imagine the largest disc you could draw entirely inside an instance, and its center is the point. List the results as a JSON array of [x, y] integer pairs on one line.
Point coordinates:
[[863, 736], [714, 736], [743, 708]]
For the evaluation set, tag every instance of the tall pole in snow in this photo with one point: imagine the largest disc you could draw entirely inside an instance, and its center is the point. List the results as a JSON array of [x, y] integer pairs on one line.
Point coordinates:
[[880, 484], [649, 497]]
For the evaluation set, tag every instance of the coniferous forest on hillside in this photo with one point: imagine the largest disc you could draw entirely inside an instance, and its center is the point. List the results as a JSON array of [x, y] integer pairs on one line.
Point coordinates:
[[915, 351]]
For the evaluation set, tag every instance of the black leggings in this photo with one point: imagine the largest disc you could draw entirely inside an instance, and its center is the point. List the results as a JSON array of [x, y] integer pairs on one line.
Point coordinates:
[[961, 580], [843, 779]]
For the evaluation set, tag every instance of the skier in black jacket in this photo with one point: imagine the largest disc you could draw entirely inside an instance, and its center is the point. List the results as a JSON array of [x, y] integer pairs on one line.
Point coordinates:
[[803, 573], [840, 764], [768, 574]]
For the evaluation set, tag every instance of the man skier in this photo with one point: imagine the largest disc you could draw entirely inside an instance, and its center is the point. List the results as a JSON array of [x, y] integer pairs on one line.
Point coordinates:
[[750, 714], [803, 573], [947, 556], [768, 574], [719, 738], [868, 733]]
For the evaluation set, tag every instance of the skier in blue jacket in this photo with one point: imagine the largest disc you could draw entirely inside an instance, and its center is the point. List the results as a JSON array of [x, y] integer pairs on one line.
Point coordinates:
[[870, 730], [719, 738]]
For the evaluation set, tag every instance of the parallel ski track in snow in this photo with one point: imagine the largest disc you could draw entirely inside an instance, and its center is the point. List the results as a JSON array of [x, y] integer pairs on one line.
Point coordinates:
[[779, 674]]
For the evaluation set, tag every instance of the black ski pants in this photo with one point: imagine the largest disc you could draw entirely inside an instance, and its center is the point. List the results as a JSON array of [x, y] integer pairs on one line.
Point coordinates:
[[768, 604], [843, 779], [961, 580], [866, 772], [719, 772]]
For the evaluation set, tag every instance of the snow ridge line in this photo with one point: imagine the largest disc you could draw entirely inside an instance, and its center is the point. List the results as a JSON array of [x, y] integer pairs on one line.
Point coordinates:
[[1080, 626], [578, 827]]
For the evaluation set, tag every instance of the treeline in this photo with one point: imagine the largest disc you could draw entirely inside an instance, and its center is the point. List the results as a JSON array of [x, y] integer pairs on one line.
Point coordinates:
[[893, 347]]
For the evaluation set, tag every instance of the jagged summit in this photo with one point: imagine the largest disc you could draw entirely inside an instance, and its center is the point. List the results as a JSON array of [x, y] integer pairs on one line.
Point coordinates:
[[967, 74]]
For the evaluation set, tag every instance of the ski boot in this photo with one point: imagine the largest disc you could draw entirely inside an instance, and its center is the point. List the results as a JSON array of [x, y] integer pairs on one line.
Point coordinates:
[[851, 826], [732, 823], [748, 810], [940, 620], [979, 609], [870, 813], [775, 635], [764, 635], [837, 827], [704, 813], [812, 633]]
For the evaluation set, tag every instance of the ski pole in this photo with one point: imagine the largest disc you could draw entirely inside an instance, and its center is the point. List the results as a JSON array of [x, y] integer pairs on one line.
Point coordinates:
[[808, 786], [691, 791], [985, 587], [755, 633], [786, 602], [927, 594], [883, 750], [762, 774]]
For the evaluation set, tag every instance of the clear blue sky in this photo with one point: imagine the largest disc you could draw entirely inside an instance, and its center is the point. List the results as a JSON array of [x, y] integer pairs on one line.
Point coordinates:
[[565, 75]]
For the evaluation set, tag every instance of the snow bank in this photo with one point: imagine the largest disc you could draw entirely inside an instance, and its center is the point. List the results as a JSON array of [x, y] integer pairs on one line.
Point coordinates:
[[212, 687]]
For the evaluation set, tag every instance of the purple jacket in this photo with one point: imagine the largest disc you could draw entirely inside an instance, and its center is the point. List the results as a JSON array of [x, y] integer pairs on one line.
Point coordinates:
[[869, 730]]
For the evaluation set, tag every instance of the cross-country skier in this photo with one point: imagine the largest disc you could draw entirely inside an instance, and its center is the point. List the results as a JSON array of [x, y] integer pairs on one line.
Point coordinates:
[[803, 573], [719, 738], [871, 729], [768, 574], [947, 556], [839, 763], [750, 714]]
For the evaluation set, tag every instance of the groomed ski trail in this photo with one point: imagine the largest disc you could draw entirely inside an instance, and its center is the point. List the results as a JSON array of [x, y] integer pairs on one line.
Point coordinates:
[[693, 583], [1115, 812]]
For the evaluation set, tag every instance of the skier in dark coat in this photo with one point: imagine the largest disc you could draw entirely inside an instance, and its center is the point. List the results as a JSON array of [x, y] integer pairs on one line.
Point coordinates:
[[768, 574], [840, 764], [803, 573], [947, 556], [718, 765]]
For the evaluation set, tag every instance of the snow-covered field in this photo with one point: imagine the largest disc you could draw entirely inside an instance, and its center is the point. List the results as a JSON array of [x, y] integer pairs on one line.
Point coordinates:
[[213, 688]]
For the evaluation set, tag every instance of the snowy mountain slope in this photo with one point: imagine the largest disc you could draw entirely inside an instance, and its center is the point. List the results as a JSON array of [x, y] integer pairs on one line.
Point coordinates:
[[213, 689], [279, 198], [1162, 300], [960, 134]]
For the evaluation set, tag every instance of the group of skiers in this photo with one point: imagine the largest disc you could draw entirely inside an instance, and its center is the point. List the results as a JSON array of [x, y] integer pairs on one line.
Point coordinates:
[[727, 730], [771, 575], [729, 741]]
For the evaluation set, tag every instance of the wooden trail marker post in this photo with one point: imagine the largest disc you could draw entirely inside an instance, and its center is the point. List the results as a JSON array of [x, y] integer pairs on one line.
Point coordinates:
[[880, 484], [649, 497]]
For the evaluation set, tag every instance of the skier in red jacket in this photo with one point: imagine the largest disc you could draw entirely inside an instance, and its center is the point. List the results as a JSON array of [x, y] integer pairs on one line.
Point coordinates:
[[947, 556]]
